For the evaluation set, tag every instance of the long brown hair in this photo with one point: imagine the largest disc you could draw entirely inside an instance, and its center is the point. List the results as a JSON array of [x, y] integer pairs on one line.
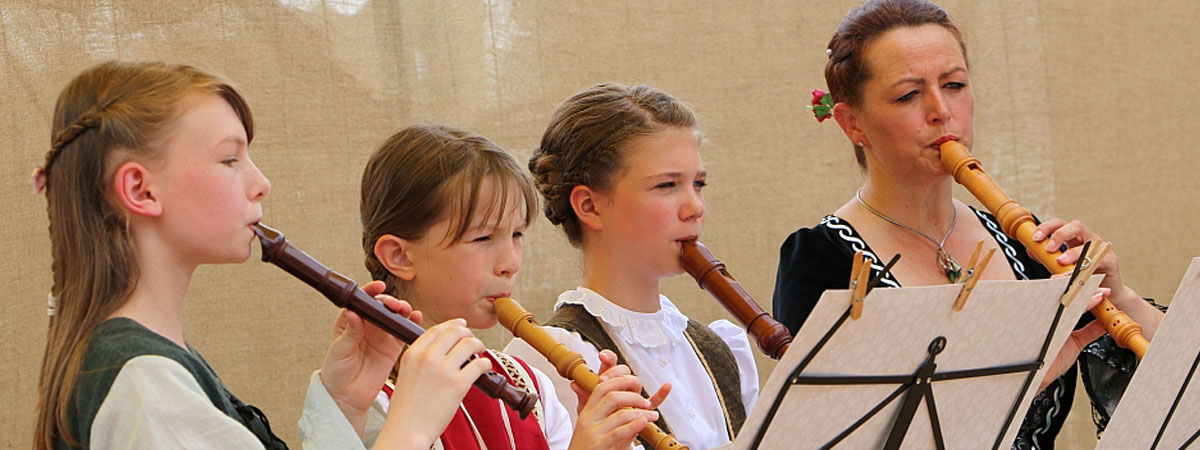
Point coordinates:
[[582, 145], [846, 70], [425, 173], [111, 113]]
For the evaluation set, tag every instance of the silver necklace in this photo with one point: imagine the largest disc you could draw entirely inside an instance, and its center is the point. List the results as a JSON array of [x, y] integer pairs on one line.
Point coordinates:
[[947, 262]]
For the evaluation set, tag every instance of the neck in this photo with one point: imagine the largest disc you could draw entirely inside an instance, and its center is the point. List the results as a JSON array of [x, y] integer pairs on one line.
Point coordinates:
[[619, 281], [927, 207], [157, 298]]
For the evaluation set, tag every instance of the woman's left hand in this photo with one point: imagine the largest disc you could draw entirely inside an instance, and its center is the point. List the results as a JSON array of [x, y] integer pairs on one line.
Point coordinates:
[[1055, 232], [361, 356]]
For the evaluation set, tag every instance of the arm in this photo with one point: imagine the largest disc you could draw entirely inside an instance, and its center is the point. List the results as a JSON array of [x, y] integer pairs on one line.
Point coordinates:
[[430, 385], [809, 264], [743, 353]]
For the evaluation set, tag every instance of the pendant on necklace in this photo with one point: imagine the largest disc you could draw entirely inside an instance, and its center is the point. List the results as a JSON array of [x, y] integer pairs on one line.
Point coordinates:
[[949, 265]]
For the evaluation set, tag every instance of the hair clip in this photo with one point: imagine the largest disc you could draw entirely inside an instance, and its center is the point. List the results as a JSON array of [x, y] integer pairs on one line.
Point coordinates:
[[828, 52], [39, 179], [822, 105]]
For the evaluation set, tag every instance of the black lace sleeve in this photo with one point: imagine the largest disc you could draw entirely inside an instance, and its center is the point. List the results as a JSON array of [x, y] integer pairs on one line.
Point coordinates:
[[809, 263], [1106, 370]]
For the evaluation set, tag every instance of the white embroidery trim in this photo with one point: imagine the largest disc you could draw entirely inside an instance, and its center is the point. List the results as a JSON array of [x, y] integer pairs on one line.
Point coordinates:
[[1002, 240], [847, 234], [645, 329]]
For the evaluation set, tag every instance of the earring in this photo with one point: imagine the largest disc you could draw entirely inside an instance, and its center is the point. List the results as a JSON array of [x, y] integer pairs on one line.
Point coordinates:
[[860, 144]]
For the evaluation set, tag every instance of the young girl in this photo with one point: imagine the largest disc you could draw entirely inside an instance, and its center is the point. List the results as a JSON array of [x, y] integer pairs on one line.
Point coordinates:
[[147, 177], [443, 213], [619, 168]]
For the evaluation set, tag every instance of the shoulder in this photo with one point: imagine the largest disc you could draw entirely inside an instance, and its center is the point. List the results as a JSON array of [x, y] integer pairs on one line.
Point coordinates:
[[113, 344], [135, 412], [831, 237]]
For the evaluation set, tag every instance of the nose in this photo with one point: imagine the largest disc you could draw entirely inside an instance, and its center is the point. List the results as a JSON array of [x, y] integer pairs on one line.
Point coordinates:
[[693, 206], [508, 262], [939, 111], [259, 186]]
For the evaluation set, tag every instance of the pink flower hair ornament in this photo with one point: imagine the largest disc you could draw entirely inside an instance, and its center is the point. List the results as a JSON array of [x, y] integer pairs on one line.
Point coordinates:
[[822, 105]]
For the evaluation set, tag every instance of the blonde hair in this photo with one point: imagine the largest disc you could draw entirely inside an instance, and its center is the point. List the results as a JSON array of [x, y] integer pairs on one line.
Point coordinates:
[[111, 113], [424, 173], [583, 143]]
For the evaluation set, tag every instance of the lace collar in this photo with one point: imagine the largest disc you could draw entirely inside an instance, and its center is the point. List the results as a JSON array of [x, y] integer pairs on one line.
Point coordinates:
[[645, 329]]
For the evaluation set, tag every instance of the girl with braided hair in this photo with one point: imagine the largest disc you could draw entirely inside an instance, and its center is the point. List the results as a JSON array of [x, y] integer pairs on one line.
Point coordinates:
[[619, 168], [148, 176]]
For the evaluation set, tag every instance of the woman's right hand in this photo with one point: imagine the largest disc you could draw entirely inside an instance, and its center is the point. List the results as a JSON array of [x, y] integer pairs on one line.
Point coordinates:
[[612, 415], [430, 384]]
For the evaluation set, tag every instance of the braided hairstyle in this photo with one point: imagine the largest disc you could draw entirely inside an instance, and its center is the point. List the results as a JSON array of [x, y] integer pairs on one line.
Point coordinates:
[[111, 113], [846, 70], [583, 144]]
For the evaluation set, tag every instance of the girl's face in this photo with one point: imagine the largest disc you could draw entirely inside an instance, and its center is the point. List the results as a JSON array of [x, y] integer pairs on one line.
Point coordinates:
[[656, 201], [464, 278], [209, 189], [919, 96]]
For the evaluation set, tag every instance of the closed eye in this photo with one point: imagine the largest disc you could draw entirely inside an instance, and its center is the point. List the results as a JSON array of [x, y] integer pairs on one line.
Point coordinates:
[[665, 185], [229, 162], [907, 97], [700, 184], [482, 238], [955, 85]]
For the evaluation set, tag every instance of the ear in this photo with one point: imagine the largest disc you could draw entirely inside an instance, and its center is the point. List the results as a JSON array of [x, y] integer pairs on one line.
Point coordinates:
[[847, 118], [394, 253], [584, 201], [132, 186]]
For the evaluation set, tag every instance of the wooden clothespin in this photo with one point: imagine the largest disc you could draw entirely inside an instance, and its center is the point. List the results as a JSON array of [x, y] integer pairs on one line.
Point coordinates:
[[972, 274], [1088, 262], [860, 272]]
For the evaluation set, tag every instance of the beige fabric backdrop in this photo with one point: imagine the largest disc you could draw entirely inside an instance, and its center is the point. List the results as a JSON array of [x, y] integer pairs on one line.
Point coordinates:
[[1083, 110]]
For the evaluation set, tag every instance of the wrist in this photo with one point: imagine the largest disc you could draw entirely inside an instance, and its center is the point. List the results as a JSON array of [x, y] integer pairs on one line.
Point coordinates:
[[356, 416]]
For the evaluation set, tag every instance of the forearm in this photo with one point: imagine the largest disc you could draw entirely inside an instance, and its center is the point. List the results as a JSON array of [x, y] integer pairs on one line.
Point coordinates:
[[1139, 310]]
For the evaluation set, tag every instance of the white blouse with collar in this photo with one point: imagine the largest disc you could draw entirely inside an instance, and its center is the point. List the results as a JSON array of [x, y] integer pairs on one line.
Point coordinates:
[[655, 347]]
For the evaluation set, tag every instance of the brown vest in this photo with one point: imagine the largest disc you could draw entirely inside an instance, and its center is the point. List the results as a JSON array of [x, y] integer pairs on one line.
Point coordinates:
[[715, 356]]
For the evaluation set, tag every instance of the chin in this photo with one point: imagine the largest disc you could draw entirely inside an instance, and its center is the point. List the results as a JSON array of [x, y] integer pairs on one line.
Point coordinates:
[[483, 323]]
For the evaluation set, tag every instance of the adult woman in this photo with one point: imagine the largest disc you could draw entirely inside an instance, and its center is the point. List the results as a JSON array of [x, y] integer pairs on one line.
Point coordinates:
[[898, 73]]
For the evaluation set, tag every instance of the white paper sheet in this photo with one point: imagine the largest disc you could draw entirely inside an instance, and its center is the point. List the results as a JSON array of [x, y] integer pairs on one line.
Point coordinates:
[[1141, 418]]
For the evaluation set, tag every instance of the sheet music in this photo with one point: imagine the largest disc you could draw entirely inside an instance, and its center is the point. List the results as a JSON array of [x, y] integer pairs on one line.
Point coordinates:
[[1161, 407], [1002, 323]]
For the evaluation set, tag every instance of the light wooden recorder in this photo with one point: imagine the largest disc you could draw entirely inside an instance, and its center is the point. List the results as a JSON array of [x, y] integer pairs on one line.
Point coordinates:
[[1017, 223], [773, 338], [569, 364]]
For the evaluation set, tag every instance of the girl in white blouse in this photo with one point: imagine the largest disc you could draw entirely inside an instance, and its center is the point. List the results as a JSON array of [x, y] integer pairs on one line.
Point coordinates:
[[619, 168]]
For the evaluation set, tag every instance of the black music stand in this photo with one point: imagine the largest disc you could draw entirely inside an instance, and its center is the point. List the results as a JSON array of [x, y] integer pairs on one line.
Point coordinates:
[[914, 373]]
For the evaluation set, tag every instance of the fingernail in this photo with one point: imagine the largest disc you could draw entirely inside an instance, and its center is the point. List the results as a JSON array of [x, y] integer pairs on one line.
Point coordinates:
[[1038, 235], [1050, 246]]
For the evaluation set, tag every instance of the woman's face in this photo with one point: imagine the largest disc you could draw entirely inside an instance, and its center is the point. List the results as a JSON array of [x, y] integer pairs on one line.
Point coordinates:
[[656, 201], [918, 96]]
